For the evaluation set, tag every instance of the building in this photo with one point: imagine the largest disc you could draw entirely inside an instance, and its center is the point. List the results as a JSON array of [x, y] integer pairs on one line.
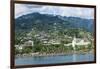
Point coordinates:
[[27, 44], [54, 42], [80, 42]]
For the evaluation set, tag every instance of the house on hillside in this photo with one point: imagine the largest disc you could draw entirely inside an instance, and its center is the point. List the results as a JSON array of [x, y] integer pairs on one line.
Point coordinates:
[[50, 42], [27, 44], [54, 42]]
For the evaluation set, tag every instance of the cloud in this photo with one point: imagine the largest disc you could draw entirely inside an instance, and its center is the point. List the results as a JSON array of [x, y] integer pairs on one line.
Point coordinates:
[[23, 9]]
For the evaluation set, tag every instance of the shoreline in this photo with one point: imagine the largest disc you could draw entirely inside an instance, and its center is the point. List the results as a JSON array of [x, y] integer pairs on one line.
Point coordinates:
[[53, 54]]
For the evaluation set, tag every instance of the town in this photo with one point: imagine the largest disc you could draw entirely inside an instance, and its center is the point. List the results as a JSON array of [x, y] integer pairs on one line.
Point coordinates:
[[55, 43]]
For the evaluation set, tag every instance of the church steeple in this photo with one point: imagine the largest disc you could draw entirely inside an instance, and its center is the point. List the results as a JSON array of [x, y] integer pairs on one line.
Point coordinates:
[[74, 42]]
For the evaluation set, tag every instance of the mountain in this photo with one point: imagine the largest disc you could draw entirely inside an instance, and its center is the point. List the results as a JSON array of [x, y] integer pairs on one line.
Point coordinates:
[[45, 22]]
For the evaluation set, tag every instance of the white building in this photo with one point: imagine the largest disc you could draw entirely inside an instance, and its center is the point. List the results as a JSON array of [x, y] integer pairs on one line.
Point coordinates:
[[54, 42], [79, 42], [28, 43]]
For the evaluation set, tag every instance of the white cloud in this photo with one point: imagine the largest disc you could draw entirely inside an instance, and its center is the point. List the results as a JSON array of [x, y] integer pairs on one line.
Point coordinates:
[[22, 9]]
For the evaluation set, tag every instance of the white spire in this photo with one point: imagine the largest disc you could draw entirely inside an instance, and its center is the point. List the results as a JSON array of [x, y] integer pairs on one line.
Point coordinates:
[[74, 42]]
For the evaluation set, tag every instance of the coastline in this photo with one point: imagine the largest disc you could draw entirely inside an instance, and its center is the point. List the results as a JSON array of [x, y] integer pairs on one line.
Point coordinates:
[[53, 54]]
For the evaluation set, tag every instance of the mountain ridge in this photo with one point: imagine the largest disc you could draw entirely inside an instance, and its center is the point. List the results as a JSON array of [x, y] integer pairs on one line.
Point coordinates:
[[46, 21]]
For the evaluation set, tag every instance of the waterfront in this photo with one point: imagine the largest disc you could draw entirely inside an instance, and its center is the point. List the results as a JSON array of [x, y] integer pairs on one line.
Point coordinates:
[[54, 59]]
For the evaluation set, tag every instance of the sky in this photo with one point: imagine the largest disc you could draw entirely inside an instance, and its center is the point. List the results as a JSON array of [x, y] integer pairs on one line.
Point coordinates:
[[23, 9]]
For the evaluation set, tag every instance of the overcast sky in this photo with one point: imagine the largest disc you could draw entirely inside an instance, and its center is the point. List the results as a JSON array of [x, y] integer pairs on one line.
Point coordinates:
[[23, 9]]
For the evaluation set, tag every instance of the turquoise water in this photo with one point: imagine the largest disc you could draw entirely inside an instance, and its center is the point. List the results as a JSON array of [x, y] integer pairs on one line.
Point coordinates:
[[53, 59]]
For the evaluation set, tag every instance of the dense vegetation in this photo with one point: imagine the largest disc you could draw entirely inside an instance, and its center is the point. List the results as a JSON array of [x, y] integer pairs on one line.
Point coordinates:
[[36, 27], [45, 22]]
